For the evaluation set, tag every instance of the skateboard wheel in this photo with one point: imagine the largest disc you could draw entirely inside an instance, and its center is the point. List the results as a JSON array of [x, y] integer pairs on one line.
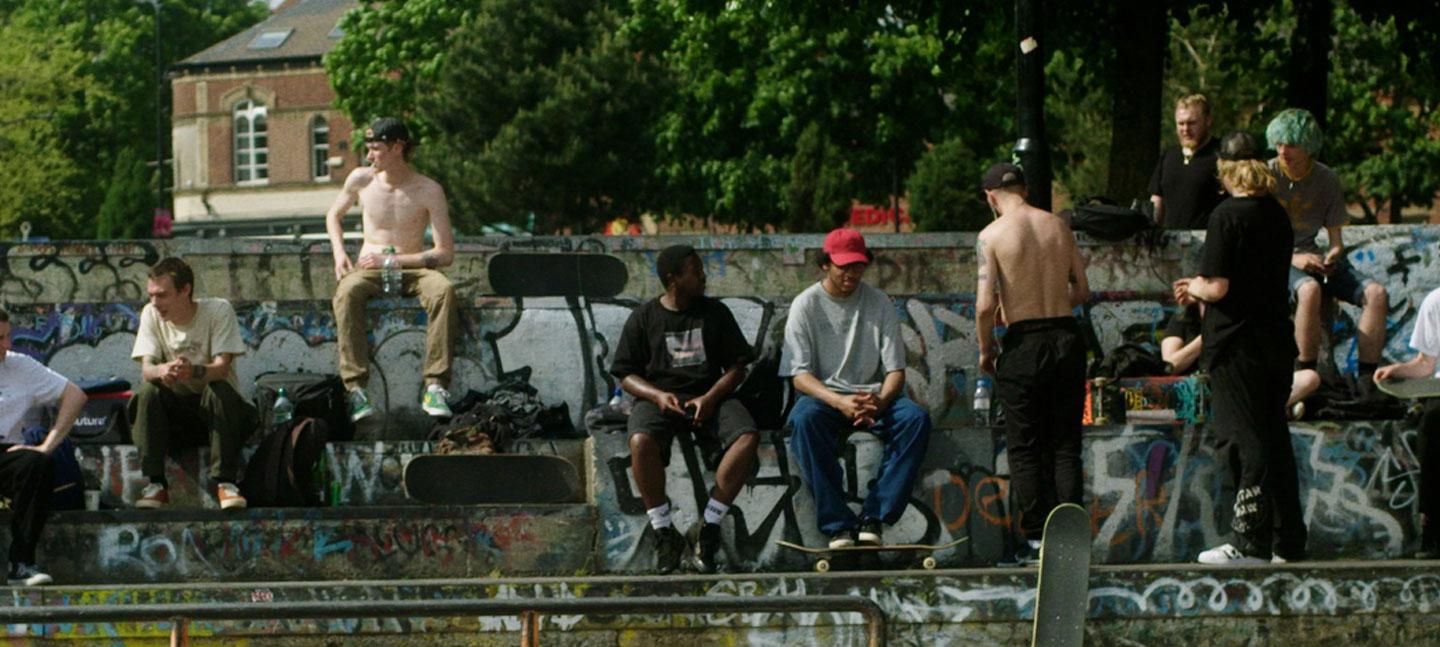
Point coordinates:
[[928, 563], [822, 566]]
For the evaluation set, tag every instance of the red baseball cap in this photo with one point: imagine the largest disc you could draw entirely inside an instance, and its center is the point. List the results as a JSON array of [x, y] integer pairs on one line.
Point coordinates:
[[846, 246]]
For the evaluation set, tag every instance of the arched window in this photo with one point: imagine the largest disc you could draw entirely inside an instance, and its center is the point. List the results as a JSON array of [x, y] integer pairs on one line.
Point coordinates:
[[252, 152], [319, 149]]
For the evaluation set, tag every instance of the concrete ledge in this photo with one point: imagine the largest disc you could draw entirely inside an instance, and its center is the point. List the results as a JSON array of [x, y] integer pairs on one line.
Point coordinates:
[[1160, 604], [359, 473], [192, 545]]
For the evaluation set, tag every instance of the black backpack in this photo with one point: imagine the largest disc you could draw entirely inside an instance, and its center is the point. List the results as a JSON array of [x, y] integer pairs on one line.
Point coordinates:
[[763, 390], [281, 471], [1102, 219], [315, 395]]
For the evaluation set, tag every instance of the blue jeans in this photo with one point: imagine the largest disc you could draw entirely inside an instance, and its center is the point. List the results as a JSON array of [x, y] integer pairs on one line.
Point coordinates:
[[816, 438]]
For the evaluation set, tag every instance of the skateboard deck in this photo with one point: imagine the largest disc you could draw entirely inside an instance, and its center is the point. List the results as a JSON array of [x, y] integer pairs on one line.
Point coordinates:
[[1425, 387], [824, 556], [1156, 400], [556, 274], [475, 479], [1062, 599]]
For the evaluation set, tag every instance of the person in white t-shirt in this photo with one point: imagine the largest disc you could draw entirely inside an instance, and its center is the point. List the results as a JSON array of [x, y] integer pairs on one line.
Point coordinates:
[[1425, 339], [189, 394], [26, 471]]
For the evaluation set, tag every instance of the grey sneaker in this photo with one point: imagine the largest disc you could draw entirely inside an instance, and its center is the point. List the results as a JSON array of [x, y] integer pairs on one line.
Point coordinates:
[[360, 407], [669, 550], [22, 574]]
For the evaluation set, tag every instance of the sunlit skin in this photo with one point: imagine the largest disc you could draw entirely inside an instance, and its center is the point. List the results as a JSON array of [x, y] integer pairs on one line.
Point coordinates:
[[1192, 126], [842, 280], [70, 403], [173, 306]]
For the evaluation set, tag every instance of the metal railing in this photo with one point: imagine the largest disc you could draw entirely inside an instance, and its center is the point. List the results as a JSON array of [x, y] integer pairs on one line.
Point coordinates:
[[528, 611]]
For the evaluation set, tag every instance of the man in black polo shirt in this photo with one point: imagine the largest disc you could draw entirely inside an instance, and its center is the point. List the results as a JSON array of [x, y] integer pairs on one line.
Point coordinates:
[[1183, 188], [681, 355]]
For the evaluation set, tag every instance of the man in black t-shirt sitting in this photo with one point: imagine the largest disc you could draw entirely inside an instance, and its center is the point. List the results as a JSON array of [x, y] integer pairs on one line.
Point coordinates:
[[681, 355], [1183, 188], [1180, 348]]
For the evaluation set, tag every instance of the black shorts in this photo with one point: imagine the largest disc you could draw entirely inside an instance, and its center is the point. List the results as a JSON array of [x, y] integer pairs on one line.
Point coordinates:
[[730, 422]]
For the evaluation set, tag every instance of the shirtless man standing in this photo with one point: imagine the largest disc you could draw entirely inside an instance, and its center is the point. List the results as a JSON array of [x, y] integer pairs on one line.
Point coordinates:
[[396, 205], [1030, 268]]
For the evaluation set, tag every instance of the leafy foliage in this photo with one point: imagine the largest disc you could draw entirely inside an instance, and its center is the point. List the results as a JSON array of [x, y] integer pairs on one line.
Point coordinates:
[[944, 190]]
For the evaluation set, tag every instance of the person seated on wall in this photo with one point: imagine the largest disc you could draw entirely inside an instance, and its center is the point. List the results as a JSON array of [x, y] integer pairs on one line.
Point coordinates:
[[1425, 341], [188, 393], [681, 355], [845, 357], [26, 471], [1311, 195], [1180, 348], [397, 204]]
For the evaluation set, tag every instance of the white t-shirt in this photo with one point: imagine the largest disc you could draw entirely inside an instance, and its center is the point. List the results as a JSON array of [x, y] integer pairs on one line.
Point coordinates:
[[1425, 338], [24, 384], [213, 331], [848, 344]]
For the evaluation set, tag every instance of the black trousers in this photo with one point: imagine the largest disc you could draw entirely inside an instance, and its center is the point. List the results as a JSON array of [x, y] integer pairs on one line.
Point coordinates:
[[1249, 383], [1040, 383], [26, 477], [1430, 470]]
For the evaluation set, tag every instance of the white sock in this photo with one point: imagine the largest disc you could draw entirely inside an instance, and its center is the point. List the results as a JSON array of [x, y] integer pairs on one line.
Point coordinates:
[[660, 516], [715, 511]]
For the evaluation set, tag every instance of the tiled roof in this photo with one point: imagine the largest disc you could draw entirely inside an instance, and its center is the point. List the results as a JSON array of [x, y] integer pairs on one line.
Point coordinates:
[[311, 33]]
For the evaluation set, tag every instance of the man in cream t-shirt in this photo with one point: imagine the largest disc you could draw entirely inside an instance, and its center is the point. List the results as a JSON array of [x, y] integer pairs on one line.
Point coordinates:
[[26, 471], [189, 393]]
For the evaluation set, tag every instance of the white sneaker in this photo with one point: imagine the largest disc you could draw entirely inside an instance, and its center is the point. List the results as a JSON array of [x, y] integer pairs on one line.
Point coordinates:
[[229, 496], [1276, 559], [153, 497], [27, 575], [1227, 554], [436, 401]]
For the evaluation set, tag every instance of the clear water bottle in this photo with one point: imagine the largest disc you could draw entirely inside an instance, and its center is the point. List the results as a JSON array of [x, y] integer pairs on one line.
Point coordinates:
[[982, 401], [391, 273], [283, 410], [621, 401]]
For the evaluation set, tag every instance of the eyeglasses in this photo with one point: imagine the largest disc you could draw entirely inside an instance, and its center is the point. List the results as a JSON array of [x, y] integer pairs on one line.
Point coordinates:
[[854, 269]]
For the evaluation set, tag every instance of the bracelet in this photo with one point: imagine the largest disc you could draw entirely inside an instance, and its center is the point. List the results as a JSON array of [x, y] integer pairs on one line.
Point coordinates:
[[197, 371]]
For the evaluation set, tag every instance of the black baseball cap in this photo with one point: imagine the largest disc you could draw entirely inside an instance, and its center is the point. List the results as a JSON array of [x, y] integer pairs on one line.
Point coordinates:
[[387, 129], [1237, 146], [1001, 175]]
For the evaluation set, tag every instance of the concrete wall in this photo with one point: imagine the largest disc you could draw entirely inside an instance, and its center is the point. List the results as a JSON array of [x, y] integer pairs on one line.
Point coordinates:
[[1155, 495], [76, 306]]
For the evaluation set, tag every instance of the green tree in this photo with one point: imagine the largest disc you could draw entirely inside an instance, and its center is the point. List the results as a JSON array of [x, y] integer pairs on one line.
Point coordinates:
[[565, 129], [127, 195], [110, 102], [818, 196], [944, 190]]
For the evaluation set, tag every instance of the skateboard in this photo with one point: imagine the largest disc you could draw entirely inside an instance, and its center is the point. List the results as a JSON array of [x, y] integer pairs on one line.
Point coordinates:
[[475, 479], [1415, 389], [1157, 400], [1062, 599], [825, 556], [556, 274]]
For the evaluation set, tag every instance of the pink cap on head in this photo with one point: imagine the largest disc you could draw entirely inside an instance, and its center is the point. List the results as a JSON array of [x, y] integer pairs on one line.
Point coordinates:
[[846, 246]]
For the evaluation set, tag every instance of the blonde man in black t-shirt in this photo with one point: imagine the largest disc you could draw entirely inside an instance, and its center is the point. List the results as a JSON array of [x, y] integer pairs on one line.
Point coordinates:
[[681, 355]]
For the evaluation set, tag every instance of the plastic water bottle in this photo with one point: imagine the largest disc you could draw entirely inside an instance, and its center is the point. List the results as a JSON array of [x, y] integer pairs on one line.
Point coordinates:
[[283, 410], [982, 402], [391, 273], [621, 401]]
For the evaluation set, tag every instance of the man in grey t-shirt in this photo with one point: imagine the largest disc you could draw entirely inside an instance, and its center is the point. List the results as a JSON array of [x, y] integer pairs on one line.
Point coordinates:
[[1311, 194], [846, 360]]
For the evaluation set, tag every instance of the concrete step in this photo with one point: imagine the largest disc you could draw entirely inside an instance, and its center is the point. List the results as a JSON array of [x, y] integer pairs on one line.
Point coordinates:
[[1302, 604], [359, 473], [281, 544]]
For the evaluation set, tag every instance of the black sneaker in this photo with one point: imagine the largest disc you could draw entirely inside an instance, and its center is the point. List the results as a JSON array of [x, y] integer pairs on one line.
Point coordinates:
[[669, 549], [22, 574], [705, 542], [872, 533], [843, 539]]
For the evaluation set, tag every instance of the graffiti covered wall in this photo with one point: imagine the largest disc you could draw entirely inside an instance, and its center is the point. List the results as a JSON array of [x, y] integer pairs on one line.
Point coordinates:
[[76, 306]]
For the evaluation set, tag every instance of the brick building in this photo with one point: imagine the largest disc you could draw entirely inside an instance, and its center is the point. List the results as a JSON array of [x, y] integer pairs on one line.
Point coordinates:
[[258, 148]]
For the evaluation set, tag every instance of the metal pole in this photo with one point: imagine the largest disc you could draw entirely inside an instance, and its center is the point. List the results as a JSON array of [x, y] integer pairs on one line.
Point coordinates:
[[159, 116], [180, 633], [102, 613], [1033, 149]]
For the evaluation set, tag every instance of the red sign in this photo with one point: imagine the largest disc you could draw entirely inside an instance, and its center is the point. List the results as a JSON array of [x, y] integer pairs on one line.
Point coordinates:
[[162, 224], [864, 215]]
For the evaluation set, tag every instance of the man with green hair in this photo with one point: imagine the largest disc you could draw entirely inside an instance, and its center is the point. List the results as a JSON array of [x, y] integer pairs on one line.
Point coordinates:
[[1311, 194]]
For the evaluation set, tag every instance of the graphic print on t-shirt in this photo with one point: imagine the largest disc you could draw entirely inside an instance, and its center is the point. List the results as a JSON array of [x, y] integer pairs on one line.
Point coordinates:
[[686, 347]]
